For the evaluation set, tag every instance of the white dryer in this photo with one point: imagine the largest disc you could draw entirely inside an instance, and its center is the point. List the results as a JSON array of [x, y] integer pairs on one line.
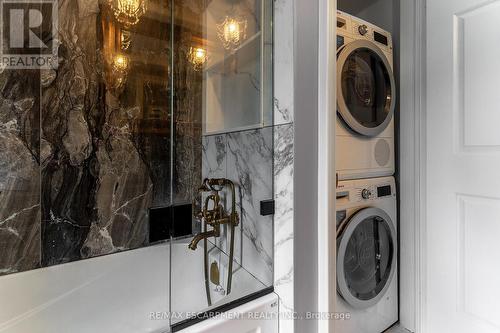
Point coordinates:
[[367, 238], [366, 92]]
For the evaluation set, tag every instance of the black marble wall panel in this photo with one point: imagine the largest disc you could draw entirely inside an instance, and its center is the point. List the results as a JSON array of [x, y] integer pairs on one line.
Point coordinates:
[[105, 135], [85, 148], [187, 100], [19, 170]]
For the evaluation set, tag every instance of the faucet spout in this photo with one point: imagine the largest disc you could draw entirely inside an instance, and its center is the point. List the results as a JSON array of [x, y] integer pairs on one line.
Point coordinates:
[[201, 236]]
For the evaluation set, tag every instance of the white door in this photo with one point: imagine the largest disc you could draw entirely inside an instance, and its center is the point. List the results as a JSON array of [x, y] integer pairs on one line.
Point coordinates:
[[463, 167]]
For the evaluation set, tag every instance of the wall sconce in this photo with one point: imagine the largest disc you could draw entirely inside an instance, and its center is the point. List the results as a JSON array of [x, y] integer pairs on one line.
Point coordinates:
[[197, 56], [120, 63], [128, 12], [232, 31], [117, 76]]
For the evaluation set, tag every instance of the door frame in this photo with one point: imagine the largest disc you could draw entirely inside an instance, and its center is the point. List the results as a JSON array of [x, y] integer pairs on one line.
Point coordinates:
[[412, 165], [327, 113]]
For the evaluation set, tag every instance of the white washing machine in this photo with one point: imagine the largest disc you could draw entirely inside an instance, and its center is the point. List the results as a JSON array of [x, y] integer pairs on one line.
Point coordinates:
[[367, 281], [366, 98]]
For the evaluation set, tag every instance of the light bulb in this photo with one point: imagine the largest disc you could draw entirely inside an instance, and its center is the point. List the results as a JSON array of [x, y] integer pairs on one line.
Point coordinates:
[[200, 53], [120, 62], [232, 27], [232, 31], [198, 57]]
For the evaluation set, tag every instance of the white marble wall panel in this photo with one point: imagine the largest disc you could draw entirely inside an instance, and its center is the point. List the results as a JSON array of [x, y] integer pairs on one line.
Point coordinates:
[[246, 158], [242, 157], [250, 165], [214, 160], [283, 159], [283, 61], [283, 223]]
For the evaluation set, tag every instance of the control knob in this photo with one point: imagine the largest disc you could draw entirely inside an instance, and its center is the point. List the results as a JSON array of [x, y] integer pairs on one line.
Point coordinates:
[[366, 194], [363, 29]]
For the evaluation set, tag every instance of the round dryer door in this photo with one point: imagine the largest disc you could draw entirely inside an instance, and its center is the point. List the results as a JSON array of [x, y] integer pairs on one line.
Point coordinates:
[[365, 88], [366, 257]]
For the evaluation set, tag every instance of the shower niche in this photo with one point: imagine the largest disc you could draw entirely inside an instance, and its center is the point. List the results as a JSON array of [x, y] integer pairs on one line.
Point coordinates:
[[237, 76]]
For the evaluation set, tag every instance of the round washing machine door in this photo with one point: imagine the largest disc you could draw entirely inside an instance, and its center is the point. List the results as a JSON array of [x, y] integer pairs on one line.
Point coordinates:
[[365, 88], [366, 257]]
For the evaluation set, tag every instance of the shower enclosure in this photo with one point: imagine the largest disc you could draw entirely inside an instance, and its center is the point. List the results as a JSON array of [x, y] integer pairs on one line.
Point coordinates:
[[151, 128]]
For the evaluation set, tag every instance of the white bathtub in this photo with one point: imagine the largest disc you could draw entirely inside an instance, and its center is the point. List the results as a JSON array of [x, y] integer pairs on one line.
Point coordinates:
[[115, 293], [258, 316]]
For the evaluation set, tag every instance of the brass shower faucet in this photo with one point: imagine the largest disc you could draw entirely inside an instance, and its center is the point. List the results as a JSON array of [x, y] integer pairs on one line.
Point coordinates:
[[214, 215]]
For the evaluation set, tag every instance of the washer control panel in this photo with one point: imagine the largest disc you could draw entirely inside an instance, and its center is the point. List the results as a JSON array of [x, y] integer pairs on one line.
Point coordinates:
[[363, 29], [355, 191], [356, 28], [366, 194]]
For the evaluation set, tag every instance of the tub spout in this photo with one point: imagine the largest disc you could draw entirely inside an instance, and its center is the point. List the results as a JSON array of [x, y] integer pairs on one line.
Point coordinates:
[[201, 236]]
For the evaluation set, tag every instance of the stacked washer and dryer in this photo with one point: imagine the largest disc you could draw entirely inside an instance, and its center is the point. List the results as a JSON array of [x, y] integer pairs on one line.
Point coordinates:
[[367, 241]]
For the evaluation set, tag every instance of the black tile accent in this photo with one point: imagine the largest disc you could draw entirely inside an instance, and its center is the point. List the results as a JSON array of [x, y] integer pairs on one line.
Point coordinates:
[[182, 218], [267, 207], [159, 223], [175, 221]]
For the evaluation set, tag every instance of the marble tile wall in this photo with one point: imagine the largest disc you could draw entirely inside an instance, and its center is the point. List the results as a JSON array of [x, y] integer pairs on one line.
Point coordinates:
[[283, 61], [216, 163], [102, 165], [80, 163], [283, 159], [19, 171], [283, 223], [246, 158]]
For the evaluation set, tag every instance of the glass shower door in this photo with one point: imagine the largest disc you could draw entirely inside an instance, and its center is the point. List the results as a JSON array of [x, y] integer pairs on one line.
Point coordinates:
[[222, 167], [108, 151], [85, 165]]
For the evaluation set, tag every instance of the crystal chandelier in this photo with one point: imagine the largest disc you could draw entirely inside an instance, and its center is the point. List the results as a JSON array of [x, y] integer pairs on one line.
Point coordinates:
[[125, 40], [128, 12], [232, 31], [197, 56]]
